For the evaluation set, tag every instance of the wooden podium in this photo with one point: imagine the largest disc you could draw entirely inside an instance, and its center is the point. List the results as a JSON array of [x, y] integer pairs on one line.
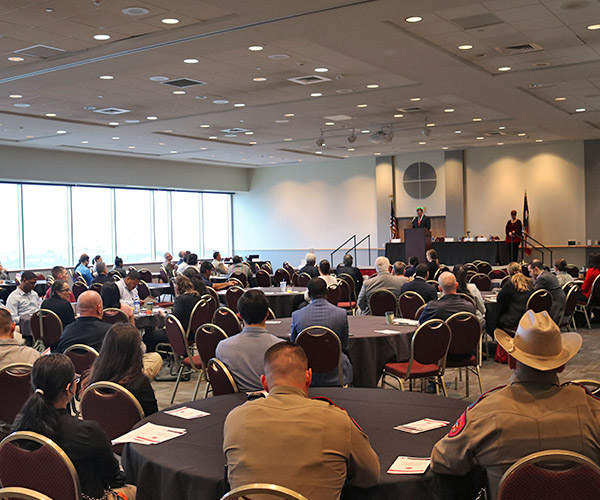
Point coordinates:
[[417, 242]]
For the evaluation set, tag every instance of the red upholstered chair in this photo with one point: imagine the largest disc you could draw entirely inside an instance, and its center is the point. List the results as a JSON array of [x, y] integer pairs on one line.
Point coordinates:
[[539, 301], [497, 274], [333, 294], [113, 315], [145, 275], [303, 279], [409, 303], [282, 275], [347, 293], [22, 494], [551, 475], [228, 321], [262, 489], [465, 347], [82, 356], [232, 296], [143, 290], [323, 349], [15, 389], [181, 352], [207, 337], [484, 267], [567, 319], [593, 301], [382, 301], [220, 378], [78, 288], [263, 278], [46, 327], [428, 349], [241, 277], [114, 408], [481, 281], [201, 313], [33, 461]]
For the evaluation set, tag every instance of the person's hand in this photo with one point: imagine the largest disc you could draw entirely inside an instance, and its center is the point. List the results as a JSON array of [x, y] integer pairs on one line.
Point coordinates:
[[162, 312]]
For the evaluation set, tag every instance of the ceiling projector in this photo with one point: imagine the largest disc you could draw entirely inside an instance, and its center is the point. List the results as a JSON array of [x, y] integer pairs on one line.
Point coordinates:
[[381, 136]]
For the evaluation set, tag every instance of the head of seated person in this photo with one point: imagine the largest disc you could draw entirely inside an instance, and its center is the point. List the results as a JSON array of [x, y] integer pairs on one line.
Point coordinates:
[[286, 364], [60, 290], [7, 325], [413, 261], [111, 297], [205, 269], [184, 285], [192, 259], [311, 259], [324, 267], [89, 304], [253, 307], [28, 281], [237, 259], [382, 264], [448, 283], [59, 273], [101, 268], [348, 260], [132, 280], [422, 271], [399, 268], [317, 289]]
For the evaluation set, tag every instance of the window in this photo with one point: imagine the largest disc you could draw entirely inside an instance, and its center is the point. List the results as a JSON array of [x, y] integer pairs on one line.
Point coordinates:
[[162, 220], [133, 222], [186, 221], [92, 223], [10, 240], [216, 209]]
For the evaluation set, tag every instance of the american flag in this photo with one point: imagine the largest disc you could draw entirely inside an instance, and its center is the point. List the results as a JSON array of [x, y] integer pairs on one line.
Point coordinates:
[[393, 225], [526, 224]]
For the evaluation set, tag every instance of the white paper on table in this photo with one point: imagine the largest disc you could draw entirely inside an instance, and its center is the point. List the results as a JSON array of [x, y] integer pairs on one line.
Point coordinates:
[[269, 293], [149, 434], [425, 424], [490, 298], [273, 322], [187, 413], [409, 465], [386, 331], [405, 321]]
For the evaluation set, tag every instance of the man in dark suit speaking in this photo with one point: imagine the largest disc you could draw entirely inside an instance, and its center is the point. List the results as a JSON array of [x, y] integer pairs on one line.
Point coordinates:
[[421, 220]]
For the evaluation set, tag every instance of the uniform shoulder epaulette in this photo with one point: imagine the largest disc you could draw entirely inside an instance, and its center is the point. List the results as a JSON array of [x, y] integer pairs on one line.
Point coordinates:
[[483, 395], [589, 393], [331, 403], [460, 424]]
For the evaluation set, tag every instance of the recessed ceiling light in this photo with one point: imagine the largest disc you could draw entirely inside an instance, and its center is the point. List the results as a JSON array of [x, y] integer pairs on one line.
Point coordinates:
[[560, 98], [204, 125], [179, 92], [131, 147], [114, 124], [21, 105], [152, 118], [539, 140], [522, 134], [288, 139], [504, 68], [477, 119], [279, 56], [316, 94], [422, 142], [101, 37], [480, 138], [159, 78], [444, 147], [321, 70], [593, 27], [15, 96], [61, 131], [212, 137], [415, 99], [413, 19], [173, 152], [377, 154], [329, 123], [168, 131], [191, 61], [15, 59], [365, 131], [132, 121], [161, 143], [501, 127], [50, 115], [282, 121], [373, 86], [249, 133], [465, 46], [252, 143], [115, 138], [256, 48], [430, 124], [259, 79], [449, 110], [500, 143], [106, 77], [203, 149], [458, 131], [239, 105], [580, 110], [361, 105], [85, 142], [220, 101], [170, 20], [398, 115], [351, 149], [289, 114], [318, 152]]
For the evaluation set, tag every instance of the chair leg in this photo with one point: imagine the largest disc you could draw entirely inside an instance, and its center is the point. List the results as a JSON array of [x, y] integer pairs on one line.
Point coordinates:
[[478, 372], [177, 383], [587, 317], [467, 381], [441, 378], [208, 389], [401, 385], [197, 386]]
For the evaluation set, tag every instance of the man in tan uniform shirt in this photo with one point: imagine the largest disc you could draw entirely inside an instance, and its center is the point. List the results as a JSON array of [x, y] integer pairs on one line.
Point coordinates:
[[287, 439], [533, 413]]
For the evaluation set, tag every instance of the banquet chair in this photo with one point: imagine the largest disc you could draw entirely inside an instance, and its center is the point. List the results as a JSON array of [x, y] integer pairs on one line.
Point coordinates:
[[573, 270], [348, 299], [226, 319], [323, 349], [236, 282], [482, 282], [145, 275], [466, 296], [433, 283], [241, 277], [333, 294], [263, 278], [504, 280], [262, 489], [465, 347], [593, 302], [295, 278], [164, 275], [97, 287], [78, 288], [207, 337], [22, 494], [539, 301], [440, 270], [496, 274], [484, 267], [220, 378], [201, 313], [303, 279], [82, 356], [181, 351], [267, 267], [30, 460], [282, 275], [288, 267], [116, 275], [469, 266], [210, 298], [15, 389], [232, 295], [50, 280], [214, 295], [271, 314], [114, 408], [409, 303], [428, 348], [551, 475], [113, 315], [420, 311], [75, 275], [46, 327], [382, 301], [567, 319], [143, 290]]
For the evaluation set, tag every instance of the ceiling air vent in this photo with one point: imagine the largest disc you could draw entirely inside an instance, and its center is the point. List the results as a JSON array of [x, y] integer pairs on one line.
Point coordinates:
[[112, 111], [477, 21], [183, 83], [41, 51], [411, 109], [235, 130], [310, 79], [524, 48]]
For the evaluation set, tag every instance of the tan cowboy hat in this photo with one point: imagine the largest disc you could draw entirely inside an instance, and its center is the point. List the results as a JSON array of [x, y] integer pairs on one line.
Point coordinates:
[[538, 342]]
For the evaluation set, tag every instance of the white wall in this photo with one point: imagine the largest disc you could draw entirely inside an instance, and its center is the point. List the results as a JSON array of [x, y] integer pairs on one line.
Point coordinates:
[[552, 174]]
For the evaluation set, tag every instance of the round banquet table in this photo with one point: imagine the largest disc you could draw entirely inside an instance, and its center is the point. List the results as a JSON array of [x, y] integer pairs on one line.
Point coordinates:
[[191, 467], [368, 350], [282, 303]]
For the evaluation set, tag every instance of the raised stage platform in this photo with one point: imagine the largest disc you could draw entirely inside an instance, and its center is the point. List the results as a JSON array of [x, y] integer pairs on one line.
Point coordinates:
[[457, 252]]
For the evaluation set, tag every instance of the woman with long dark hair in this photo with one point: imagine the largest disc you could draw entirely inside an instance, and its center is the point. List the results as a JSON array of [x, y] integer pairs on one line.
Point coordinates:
[[119, 266], [59, 302], [85, 443], [471, 290], [186, 299], [111, 297], [120, 361]]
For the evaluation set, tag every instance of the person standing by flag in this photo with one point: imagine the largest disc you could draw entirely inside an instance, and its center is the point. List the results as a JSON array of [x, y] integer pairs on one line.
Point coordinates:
[[514, 233], [420, 220]]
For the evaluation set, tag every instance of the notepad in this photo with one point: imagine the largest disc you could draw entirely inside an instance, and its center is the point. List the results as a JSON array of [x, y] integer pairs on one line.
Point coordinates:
[[409, 465], [149, 434], [273, 322], [418, 426], [386, 331], [187, 413], [405, 321]]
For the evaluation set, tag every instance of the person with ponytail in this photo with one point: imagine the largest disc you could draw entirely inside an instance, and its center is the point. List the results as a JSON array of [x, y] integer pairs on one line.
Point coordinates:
[[85, 443], [513, 297]]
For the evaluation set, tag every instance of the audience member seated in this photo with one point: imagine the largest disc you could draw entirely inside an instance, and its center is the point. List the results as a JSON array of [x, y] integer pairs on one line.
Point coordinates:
[[197, 281], [88, 328], [398, 268], [59, 302], [243, 353], [111, 298], [384, 280], [11, 351], [512, 298], [168, 264], [449, 303], [95, 261], [591, 274], [118, 267], [206, 269], [324, 273], [60, 273], [128, 288], [121, 361], [23, 302], [419, 284], [310, 268], [4, 273], [324, 448], [470, 289], [320, 312], [187, 297], [560, 270], [181, 254], [84, 441], [545, 280], [347, 268], [433, 262], [533, 413], [218, 263], [191, 261], [413, 262], [238, 266], [101, 276], [83, 269]]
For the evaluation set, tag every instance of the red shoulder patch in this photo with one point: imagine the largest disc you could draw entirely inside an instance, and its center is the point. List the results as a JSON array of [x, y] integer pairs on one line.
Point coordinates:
[[459, 425]]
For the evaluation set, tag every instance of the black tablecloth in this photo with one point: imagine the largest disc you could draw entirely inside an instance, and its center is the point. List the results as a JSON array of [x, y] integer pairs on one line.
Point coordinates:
[[158, 289], [191, 467], [368, 351], [283, 304], [457, 252]]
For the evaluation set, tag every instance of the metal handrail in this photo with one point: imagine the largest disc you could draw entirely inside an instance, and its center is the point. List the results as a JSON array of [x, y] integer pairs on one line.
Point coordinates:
[[353, 237], [526, 237], [367, 237]]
